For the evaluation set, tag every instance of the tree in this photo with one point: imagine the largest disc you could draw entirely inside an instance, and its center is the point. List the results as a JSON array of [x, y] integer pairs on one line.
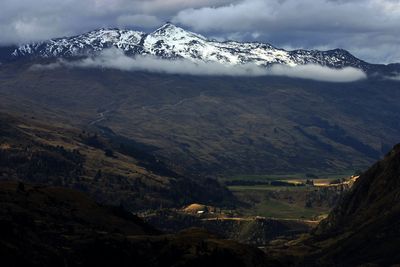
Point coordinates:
[[98, 175], [310, 182], [109, 153]]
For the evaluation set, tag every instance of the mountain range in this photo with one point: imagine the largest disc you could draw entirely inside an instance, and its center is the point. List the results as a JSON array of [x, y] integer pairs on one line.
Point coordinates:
[[172, 42]]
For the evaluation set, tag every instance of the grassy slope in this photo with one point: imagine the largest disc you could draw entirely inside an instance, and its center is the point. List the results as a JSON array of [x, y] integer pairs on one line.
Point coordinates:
[[279, 202], [57, 154], [218, 124], [286, 177]]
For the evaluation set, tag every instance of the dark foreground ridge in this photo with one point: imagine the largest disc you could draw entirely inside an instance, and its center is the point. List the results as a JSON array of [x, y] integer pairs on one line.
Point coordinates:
[[52, 226], [366, 224], [363, 230]]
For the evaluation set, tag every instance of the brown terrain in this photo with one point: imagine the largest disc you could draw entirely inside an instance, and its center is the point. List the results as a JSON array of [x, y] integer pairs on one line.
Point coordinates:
[[116, 171], [114, 168]]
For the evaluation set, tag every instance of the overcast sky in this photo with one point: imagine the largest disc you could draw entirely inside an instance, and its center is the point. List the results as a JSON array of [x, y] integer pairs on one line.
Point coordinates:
[[370, 29]]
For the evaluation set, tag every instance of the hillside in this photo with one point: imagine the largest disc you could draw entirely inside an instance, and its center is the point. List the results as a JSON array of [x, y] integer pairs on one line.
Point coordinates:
[[363, 230], [257, 231], [114, 170], [218, 125], [365, 226], [52, 226]]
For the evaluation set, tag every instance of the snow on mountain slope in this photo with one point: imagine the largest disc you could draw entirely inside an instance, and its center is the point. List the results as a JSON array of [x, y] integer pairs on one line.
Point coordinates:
[[173, 42], [84, 44]]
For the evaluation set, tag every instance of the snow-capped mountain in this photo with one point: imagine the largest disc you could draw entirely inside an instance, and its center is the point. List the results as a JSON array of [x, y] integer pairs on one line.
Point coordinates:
[[172, 42], [85, 44]]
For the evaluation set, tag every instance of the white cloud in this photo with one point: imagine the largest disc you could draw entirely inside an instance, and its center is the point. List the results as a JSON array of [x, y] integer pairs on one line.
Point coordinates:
[[319, 73], [50, 66], [116, 59], [395, 77]]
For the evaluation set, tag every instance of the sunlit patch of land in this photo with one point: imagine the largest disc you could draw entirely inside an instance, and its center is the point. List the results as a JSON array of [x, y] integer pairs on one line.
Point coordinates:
[[289, 196]]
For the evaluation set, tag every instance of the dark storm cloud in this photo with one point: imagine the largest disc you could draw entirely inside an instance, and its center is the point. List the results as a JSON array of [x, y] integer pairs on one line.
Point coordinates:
[[30, 20], [368, 28]]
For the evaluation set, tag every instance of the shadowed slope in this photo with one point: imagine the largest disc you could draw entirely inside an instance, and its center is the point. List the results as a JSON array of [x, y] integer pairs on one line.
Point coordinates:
[[48, 226], [366, 224], [364, 228], [112, 169], [219, 125]]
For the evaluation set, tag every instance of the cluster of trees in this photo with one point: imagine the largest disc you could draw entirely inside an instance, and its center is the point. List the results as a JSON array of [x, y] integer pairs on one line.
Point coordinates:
[[326, 196], [42, 163], [271, 183], [93, 140], [245, 183]]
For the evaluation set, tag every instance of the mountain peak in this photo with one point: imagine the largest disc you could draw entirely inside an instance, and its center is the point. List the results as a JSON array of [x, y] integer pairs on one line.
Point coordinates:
[[171, 30], [167, 26]]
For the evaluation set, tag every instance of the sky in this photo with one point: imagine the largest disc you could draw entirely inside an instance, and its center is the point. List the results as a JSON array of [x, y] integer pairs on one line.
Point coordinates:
[[369, 29]]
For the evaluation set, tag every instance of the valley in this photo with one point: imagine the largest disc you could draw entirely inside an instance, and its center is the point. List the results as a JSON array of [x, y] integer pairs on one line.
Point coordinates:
[[265, 211], [115, 170], [288, 196]]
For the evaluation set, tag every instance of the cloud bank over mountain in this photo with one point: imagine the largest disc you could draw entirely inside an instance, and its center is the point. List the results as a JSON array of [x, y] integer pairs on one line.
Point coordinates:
[[319, 73], [395, 77], [116, 59]]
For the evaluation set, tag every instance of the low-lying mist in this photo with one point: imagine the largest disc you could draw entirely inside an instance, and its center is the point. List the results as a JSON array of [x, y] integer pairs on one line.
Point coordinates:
[[395, 77], [116, 59]]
